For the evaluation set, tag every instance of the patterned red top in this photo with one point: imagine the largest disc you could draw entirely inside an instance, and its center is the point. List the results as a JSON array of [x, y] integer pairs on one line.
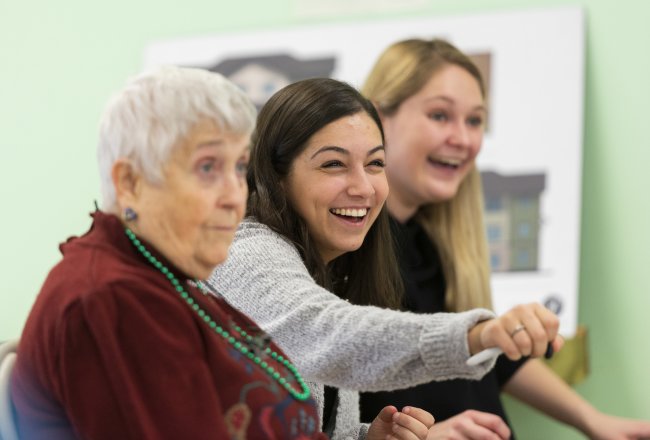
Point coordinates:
[[110, 351]]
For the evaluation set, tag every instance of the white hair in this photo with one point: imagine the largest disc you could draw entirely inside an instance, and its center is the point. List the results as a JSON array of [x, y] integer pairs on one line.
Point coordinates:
[[155, 110]]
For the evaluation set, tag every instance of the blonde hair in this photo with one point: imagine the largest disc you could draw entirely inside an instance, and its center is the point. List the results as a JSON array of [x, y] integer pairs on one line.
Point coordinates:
[[455, 226]]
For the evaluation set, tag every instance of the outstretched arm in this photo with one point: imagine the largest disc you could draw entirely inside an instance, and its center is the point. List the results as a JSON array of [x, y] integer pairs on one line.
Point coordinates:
[[538, 386], [330, 340]]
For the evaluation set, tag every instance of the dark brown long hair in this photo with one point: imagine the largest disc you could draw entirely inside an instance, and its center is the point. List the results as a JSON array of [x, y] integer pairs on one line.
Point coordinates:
[[370, 274]]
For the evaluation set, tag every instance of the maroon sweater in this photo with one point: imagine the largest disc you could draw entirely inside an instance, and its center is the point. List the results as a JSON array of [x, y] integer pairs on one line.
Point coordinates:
[[111, 351]]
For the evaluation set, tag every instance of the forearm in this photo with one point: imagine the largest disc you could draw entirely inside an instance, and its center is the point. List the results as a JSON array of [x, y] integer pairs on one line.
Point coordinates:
[[366, 348], [538, 386], [474, 338], [332, 341]]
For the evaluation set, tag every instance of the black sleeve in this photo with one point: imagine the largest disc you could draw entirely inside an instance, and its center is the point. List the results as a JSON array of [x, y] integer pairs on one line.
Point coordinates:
[[505, 369]]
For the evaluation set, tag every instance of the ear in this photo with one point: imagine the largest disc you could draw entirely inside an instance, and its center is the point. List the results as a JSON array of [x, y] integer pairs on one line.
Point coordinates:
[[127, 183]]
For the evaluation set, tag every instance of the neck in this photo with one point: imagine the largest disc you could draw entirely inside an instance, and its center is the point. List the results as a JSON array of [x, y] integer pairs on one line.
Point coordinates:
[[329, 256], [189, 267], [399, 209]]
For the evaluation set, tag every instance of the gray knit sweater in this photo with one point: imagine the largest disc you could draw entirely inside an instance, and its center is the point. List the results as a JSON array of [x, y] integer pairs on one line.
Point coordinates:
[[332, 342]]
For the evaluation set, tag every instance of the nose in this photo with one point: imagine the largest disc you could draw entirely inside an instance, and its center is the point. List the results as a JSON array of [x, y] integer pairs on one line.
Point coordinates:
[[234, 191], [459, 134], [359, 184]]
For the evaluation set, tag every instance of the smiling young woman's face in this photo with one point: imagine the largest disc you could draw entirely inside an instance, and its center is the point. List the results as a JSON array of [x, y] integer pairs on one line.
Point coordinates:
[[337, 184], [432, 140], [192, 216]]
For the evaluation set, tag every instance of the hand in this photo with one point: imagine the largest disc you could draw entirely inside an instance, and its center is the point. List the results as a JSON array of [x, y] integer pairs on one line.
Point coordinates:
[[471, 425], [605, 427], [524, 330], [409, 424]]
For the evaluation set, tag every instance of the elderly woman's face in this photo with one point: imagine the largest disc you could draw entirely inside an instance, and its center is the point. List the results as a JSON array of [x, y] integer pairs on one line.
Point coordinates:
[[191, 218]]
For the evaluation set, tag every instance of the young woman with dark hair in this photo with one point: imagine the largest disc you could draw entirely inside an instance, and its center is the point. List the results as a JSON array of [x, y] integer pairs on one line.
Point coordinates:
[[316, 240]]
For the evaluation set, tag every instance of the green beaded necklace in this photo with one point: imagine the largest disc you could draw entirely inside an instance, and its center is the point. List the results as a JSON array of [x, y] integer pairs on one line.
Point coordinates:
[[250, 353]]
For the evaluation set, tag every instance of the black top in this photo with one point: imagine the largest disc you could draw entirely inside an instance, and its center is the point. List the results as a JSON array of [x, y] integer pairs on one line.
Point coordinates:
[[424, 285]]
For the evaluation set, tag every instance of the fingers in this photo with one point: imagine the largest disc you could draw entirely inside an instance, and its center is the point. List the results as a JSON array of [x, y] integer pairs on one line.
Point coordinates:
[[534, 338], [550, 325], [557, 343], [386, 414], [420, 415], [411, 423], [473, 431], [491, 422], [471, 425], [503, 332], [524, 330]]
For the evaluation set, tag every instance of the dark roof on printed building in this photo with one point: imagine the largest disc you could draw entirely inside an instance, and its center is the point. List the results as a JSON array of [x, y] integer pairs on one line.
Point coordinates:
[[495, 185], [292, 68]]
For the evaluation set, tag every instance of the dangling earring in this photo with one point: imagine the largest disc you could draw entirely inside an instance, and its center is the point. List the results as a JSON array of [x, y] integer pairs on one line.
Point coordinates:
[[130, 215]]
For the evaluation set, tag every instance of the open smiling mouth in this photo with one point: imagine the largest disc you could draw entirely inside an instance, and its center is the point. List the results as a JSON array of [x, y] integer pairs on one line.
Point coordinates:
[[452, 164], [351, 215]]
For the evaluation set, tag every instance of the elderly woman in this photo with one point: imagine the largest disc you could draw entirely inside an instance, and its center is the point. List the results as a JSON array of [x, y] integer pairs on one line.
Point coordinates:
[[121, 343]]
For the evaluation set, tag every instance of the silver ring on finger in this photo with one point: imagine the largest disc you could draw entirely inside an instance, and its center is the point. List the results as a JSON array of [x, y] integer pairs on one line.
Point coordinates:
[[517, 329]]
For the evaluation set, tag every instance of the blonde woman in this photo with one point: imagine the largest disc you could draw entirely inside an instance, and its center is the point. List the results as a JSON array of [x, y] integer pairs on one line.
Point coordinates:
[[431, 100]]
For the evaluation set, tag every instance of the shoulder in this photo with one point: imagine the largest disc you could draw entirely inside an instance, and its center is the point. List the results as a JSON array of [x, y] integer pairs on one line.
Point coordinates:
[[70, 314], [99, 284], [251, 227], [255, 237], [258, 259]]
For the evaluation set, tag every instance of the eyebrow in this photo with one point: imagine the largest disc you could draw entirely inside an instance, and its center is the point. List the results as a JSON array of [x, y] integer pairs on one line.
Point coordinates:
[[343, 150], [211, 143], [218, 143], [451, 101]]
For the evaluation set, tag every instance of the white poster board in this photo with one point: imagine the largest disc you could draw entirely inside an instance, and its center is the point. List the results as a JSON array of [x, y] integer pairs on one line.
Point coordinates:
[[534, 138]]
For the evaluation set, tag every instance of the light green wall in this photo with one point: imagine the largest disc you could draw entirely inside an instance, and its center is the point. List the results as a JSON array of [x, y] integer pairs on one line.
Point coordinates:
[[60, 60]]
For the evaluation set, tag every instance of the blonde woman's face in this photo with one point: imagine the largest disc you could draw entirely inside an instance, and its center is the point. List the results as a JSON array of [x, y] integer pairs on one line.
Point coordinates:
[[192, 216], [337, 184], [433, 139]]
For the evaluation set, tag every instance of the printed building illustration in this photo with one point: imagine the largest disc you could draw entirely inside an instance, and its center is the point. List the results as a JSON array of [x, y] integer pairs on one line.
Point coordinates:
[[512, 220], [262, 76]]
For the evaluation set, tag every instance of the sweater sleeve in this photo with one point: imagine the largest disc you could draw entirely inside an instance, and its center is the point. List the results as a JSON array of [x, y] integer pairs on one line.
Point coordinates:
[[332, 341], [132, 366]]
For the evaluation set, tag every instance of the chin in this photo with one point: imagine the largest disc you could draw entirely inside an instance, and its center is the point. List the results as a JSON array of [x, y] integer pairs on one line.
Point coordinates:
[[352, 248], [217, 261], [204, 269], [442, 195]]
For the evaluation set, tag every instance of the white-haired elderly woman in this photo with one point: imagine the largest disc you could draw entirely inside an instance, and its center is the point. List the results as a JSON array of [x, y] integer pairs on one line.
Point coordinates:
[[121, 342]]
